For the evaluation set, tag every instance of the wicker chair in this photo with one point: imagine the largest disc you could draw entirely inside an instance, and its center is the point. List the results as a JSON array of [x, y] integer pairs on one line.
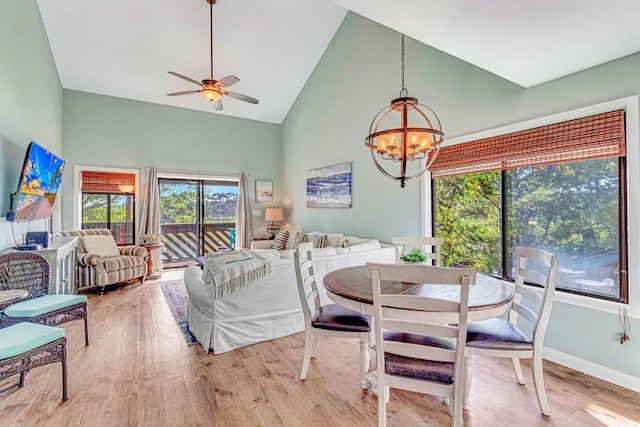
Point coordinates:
[[23, 270]]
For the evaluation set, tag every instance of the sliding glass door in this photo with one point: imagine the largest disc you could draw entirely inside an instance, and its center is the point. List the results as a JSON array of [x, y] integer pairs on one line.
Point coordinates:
[[197, 217]]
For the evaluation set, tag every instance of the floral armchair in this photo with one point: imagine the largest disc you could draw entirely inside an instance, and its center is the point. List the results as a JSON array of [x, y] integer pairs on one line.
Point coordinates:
[[102, 263]]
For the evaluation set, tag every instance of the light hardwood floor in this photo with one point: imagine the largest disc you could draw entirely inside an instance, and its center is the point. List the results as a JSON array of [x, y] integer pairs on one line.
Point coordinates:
[[139, 371]]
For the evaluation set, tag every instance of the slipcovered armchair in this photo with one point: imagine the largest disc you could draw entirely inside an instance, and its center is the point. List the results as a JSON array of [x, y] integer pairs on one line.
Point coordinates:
[[102, 263]]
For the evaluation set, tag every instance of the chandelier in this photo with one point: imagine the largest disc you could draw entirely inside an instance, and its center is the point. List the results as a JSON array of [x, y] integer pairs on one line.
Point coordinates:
[[403, 132]]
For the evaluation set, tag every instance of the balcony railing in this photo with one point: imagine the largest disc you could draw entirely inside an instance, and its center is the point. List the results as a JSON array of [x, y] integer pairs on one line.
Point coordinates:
[[181, 240], [122, 231]]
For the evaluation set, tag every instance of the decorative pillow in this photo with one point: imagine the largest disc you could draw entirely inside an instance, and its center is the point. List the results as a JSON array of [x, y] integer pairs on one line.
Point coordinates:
[[344, 243], [280, 241], [294, 240], [105, 246], [320, 241], [333, 239]]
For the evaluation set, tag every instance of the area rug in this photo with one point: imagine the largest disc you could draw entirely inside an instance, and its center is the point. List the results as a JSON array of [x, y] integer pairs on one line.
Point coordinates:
[[175, 293]]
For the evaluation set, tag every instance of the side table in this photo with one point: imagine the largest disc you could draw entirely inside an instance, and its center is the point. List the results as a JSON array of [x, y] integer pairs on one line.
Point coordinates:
[[154, 262]]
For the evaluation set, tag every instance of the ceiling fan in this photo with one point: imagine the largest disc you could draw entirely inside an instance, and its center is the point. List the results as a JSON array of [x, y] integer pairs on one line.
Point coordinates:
[[212, 89]]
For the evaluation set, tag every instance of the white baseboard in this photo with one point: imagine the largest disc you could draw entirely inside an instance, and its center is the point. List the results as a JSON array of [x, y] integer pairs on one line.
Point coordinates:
[[602, 372]]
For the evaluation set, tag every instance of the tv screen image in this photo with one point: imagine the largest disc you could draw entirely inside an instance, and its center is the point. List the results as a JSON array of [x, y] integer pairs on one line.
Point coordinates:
[[38, 185]]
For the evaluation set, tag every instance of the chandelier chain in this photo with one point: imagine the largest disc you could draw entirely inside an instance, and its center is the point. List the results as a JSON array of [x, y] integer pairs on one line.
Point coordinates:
[[403, 91]]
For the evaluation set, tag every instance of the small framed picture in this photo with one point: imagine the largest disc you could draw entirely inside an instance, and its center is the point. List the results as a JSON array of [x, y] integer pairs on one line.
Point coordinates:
[[264, 191]]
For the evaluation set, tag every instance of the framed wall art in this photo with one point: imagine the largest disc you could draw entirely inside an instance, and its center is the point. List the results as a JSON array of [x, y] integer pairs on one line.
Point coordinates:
[[329, 187], [264, 191]]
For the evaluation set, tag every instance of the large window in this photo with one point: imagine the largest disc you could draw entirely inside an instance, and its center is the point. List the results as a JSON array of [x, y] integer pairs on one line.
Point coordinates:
[[574, 209], [108, 201]]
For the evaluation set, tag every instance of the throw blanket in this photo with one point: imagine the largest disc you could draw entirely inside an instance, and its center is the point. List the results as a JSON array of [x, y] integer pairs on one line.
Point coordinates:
[[230, 271]]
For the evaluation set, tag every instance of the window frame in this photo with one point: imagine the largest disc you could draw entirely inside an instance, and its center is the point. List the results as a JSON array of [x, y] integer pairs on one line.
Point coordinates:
[[631, 196], [109, 196]]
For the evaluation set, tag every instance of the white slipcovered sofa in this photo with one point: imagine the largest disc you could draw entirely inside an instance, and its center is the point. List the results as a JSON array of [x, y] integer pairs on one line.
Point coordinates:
[[268, 308]]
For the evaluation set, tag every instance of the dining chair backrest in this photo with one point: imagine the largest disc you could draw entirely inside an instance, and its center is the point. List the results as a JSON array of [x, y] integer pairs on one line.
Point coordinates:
[[530, 305], [23, 270], [397, 313], [429, 245], [305, 278]]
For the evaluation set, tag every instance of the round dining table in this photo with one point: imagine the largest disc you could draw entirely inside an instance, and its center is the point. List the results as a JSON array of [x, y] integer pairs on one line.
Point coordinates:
[[351, 288]]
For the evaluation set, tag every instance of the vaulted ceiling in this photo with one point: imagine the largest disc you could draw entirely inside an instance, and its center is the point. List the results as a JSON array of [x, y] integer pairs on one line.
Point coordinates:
[[124, 48]]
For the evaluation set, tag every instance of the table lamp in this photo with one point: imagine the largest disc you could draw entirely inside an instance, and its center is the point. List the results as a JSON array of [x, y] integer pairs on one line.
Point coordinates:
[[273, 215]]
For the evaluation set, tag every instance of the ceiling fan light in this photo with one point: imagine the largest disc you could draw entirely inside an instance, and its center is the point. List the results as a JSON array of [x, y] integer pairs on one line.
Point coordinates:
[[211, 94]]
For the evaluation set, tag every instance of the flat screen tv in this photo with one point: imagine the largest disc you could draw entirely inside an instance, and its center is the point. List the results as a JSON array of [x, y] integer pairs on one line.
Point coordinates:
[[38, 185]]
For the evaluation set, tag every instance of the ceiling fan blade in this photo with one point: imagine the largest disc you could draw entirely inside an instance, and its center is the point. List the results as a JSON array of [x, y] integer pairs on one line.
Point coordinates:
[[189, 79], [242, 97], [186, 92], [228, 81], [217, 105]]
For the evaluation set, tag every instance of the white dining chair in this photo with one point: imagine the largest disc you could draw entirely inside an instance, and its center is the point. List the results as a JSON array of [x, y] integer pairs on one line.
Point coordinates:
[[326, 320], [413, 353], [429, 245], [530, 311]]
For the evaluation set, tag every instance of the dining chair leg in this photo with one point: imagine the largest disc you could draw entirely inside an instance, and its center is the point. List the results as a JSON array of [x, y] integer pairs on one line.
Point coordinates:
[[314, 346], [456, 407], [518, 368], [538, 380], [308, 348], [466, 382], [364, 359], [383, 399]]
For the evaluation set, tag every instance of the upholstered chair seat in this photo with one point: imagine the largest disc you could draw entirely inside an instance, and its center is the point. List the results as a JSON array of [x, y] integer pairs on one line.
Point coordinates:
[[337, 318], [423, 369], [45, 304], [497, 333]]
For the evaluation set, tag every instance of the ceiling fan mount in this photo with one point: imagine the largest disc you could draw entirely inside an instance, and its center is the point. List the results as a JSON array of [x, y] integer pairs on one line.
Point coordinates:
[[212, 89]]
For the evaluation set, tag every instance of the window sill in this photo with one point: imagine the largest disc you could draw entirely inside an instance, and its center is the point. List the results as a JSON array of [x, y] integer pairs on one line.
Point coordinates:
[[593, 303]]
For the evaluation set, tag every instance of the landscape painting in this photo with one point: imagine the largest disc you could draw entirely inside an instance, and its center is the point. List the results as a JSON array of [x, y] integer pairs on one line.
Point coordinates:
[[329, 187], [264, 191]]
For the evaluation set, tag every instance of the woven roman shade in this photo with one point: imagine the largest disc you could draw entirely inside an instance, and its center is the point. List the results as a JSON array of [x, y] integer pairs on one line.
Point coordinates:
[[105, 182], [593, 137]]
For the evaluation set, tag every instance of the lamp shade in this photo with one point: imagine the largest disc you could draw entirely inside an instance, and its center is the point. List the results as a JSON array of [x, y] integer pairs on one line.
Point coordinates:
[[126, 188], [274, 214]]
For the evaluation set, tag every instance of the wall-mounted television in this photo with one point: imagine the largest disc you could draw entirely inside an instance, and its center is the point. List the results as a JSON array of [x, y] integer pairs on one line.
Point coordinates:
[[38, 185]]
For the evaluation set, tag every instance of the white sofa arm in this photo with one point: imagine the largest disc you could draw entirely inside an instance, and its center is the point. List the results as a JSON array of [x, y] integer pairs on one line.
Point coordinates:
[[261, 244]]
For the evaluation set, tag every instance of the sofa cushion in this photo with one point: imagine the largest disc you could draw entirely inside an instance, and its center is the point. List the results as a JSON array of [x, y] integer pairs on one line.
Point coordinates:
[[344, 242], [294, 240], [117, 263], [280, 240], [363, 247], [104, 246]]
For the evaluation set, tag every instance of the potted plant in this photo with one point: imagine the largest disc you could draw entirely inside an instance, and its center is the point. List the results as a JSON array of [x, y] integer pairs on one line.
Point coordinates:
[[415, 256]]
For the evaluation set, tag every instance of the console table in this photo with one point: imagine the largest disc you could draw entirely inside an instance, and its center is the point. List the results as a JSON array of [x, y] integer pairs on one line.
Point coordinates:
[[61, 255]]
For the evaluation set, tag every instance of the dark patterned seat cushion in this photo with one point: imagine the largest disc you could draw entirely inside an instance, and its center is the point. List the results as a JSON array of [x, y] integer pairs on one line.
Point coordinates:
[[497, 334], [429, 370], [336, 318], [117, 263]]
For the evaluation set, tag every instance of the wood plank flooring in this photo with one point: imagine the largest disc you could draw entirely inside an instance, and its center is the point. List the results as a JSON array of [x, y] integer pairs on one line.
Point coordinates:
[[139, 371]]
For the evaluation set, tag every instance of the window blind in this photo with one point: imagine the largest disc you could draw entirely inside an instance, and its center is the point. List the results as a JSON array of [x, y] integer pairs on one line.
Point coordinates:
[[592, 137], [105, 182]]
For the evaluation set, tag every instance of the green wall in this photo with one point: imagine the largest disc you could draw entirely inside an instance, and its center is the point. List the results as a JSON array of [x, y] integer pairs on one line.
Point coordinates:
[[114, 132], [30, 102], [359, 73]]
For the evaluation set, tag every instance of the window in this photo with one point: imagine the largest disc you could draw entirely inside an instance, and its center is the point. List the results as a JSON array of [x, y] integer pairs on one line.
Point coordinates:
[[108, 201], [560, 187]]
